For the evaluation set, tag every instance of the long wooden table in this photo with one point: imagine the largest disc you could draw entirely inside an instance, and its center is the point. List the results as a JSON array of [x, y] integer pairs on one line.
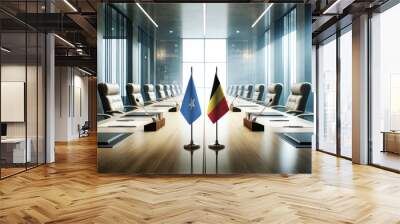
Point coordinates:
[[162, 152]]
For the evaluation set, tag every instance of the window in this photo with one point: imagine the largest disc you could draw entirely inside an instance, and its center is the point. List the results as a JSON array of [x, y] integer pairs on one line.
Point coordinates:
[[267, 53], [204, 56], [327, 96], [385, 87], [289, 51], [346, 94]]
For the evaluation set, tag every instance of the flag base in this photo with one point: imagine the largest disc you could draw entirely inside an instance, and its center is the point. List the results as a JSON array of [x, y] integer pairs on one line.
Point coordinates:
[[216, 147], [191, 147]]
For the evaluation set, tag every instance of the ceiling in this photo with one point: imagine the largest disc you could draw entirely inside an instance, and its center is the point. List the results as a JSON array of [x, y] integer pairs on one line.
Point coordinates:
[[186, 20]]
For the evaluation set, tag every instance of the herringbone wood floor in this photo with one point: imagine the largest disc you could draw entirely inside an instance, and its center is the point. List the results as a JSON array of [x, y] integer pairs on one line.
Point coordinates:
[[71, 191]]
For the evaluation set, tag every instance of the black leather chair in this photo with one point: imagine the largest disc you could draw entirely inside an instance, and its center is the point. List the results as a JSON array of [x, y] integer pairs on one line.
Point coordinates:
[[160, 92], [167, 90], [111, 99], [149, 93], [229, 90], [259, 93], [274, 94], [248, 91], [241, 91], [297, 100], [134, 95], [236, 91]]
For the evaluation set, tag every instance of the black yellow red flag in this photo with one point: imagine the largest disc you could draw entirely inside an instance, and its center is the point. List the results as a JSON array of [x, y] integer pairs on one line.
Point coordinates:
[[217, 107]]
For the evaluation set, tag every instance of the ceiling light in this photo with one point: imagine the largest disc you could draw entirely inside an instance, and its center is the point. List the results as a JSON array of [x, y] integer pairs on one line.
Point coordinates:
[[331, 7], [84, 71], [204, 18], [262, 14], [65, 41], [5, 50], [171, 31], [148, 16], [70, 5], [237, 31]]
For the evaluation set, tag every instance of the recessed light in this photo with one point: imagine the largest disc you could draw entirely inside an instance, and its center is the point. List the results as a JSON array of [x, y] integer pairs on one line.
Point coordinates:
[[237, 31], [171, 31]]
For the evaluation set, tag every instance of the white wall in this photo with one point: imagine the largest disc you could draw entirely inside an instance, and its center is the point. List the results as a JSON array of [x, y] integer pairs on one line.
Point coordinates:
[[71, 102]]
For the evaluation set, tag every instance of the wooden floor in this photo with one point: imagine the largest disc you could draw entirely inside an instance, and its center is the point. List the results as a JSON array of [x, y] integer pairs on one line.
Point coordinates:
[[71, 191]]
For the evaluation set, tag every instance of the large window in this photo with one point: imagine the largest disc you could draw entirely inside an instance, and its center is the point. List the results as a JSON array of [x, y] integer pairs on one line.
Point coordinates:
[[346, 93], [327, 96], [289, 51], [385, 84], [204, 56]]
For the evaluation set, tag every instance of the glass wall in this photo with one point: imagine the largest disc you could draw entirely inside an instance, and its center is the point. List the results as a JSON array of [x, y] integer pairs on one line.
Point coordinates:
[[327, 95], [289, 51], [22, 100], [346, 92], [385, 89]]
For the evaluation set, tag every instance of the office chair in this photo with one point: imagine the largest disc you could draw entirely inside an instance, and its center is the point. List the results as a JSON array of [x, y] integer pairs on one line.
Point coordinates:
[[241, 91], [297, 100], [274, 94], [167, 90], [173, 90], [111, 99], [134, 95], [248, 91], [160, 91], [258, 95], [149, 93], [236, 90], [228, 91]]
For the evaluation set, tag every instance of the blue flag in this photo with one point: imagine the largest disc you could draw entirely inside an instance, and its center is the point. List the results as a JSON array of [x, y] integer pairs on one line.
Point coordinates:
[[190, 108]]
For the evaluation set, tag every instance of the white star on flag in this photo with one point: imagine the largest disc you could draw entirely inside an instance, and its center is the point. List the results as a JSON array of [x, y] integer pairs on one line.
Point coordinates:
[[191, 104]]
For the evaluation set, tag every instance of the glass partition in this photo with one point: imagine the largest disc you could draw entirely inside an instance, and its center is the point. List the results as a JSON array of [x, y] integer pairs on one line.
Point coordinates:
[[385, 89], [22, 94], [327, 96]]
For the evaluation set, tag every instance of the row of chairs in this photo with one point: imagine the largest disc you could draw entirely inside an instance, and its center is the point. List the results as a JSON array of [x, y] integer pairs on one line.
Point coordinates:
[[296, 102], [111, 99]]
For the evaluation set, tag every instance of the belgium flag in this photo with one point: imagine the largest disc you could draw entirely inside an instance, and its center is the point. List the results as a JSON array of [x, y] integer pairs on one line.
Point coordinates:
[[217, 107]]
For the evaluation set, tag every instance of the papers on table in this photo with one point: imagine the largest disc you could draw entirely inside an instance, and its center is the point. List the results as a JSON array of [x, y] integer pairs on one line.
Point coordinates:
[[125, 123]]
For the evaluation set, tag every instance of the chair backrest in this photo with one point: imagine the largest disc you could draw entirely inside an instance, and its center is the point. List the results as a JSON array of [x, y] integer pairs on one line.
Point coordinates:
[[134, 94], [235, 90], [228, 91], [241, 90], [248, 91], [232, 92], [160, 91], [173, 90], [297, 100], [110, 97], [259, 92], [149, 93], [274, 94], [167, 90]]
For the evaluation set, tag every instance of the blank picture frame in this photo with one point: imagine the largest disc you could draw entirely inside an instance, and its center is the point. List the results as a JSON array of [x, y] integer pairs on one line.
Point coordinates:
[[12, 101]]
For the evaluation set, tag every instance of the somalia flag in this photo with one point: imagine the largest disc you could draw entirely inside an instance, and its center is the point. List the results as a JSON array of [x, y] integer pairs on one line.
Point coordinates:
[[190, 108]]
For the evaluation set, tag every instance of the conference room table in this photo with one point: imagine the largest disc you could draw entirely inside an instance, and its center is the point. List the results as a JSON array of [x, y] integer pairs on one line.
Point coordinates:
[[162, 151]]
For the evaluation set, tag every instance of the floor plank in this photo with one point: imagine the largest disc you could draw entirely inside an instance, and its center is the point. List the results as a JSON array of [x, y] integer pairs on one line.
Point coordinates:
[[71, 191]]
